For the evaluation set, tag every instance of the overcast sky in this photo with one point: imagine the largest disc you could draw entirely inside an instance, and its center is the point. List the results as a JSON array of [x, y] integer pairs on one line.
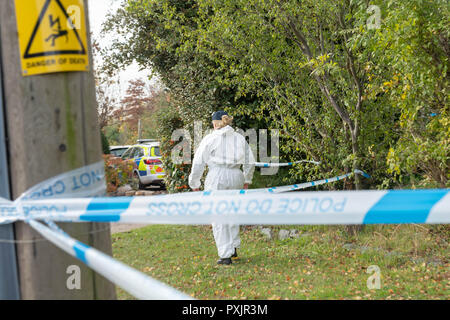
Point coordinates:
[[98, 9]]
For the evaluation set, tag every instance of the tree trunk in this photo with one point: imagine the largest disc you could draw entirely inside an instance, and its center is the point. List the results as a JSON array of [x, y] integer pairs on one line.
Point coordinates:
[[353, 229]]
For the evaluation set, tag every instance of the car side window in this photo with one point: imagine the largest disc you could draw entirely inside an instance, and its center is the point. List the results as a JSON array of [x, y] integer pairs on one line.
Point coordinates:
[[139, 153], [156, 152], [134, 153]]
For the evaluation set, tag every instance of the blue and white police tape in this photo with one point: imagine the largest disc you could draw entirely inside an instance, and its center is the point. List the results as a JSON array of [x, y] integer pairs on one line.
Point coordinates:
[[135, 282], [8, 210], [317, 207], [313, 183], [54, 200], [88, 181], [287, 188], [283, 164]]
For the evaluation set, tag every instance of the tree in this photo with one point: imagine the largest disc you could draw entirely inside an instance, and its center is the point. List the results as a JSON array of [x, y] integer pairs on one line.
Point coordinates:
[[105, 143], [413, 72], [340, 91], [159, 30], [106, 98], [136, 101], [139, 103], [310, 77]]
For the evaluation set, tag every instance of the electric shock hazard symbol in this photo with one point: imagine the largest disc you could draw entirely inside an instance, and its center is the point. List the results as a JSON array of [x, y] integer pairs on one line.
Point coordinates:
[[52, 36]]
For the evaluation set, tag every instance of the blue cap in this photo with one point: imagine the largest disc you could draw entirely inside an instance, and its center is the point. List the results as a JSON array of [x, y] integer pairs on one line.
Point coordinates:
[[218, 115]]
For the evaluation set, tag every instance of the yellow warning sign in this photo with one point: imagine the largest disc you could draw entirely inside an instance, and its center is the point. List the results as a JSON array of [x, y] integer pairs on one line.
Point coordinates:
[[52, 36]]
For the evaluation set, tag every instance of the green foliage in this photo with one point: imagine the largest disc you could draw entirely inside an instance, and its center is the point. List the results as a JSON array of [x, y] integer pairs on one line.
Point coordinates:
[[105, 143], [149, 120], [161, 28], [176, 177], [116, 134], [117, 172], [298, 59], [340, 92], [414, 43]]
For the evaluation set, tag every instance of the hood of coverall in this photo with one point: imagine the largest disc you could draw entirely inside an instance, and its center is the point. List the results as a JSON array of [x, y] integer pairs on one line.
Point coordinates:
[[223, 130]]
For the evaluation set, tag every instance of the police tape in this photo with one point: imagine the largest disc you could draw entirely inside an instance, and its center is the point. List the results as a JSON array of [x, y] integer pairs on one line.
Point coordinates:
[[135, 282], [317, 207], [293, 187], [245, 207], [304, 185], [87, 181], [65, 186], [283, 164], [60, 199]]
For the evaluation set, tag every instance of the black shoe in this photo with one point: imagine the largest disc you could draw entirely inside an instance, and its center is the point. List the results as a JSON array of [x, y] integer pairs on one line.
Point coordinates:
[[224, 261], [234, 256]]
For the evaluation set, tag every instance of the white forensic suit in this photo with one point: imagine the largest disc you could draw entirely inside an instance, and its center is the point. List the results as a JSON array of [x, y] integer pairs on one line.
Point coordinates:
[[224, 151]]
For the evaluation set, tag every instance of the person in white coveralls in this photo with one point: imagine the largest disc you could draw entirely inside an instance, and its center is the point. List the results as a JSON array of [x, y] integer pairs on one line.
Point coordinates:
[[224, 151]]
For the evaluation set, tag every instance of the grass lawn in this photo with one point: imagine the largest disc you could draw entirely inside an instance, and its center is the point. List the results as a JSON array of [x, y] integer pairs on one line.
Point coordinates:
[[322, 263]]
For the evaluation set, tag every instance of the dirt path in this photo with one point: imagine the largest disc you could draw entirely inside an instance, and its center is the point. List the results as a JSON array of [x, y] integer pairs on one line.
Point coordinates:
[[125, 227]]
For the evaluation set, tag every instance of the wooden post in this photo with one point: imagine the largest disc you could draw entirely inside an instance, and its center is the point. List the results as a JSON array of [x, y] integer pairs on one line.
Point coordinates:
[[52, 128]]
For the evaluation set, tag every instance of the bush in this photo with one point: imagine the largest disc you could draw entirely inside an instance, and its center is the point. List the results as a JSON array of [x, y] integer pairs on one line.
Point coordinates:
[[105, 143], [176, 178], [117, 173]]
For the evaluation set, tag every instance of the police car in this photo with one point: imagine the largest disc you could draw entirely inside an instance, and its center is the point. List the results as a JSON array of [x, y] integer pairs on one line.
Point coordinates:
[[147, 166]]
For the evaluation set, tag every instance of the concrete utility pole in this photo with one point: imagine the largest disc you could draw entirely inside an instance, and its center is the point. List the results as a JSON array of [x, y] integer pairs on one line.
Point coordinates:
[[9, 280], [52, 128], [139, 130]]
